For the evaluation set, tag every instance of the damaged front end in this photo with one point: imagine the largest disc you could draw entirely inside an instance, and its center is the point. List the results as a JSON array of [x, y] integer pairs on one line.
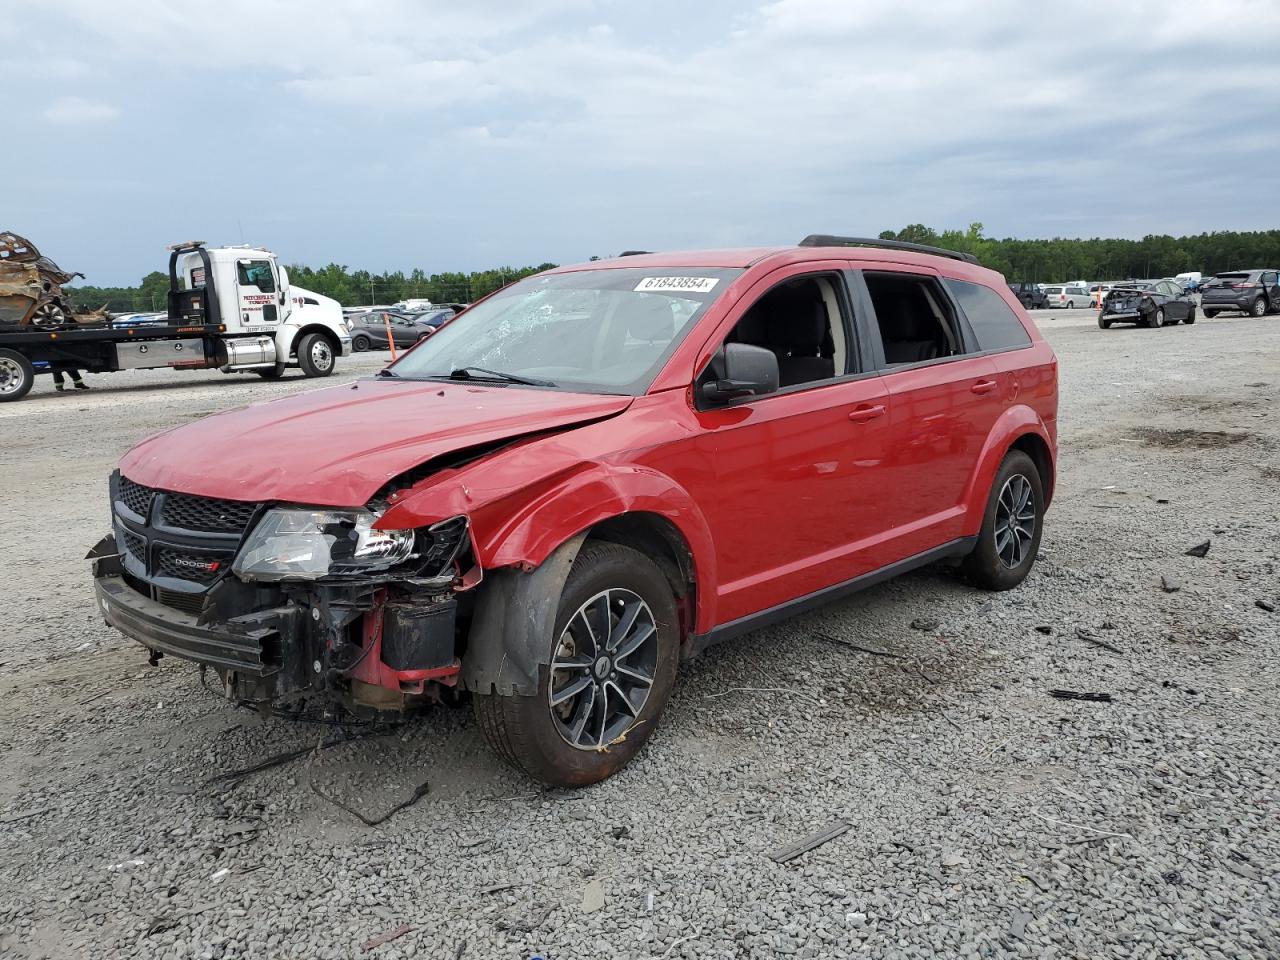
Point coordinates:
[[286, 603]]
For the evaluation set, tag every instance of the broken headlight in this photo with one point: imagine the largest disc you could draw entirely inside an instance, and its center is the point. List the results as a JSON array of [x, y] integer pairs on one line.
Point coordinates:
[[301, 544]]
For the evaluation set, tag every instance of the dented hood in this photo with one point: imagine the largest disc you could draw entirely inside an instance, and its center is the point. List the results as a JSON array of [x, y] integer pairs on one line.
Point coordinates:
[[338, 446]]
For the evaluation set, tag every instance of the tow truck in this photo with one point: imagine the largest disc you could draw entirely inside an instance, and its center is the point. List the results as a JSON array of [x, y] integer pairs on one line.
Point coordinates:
[[228, 308]]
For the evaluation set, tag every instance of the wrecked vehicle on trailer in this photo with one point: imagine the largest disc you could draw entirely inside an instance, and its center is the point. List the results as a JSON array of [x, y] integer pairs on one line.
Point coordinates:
[[31, 291], [583, 479]]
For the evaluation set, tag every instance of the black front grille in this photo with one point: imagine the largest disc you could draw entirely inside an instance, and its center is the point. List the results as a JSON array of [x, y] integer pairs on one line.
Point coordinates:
[[136, 497], [178, 539], [136, 546], [206, 514], [191, 603], [187, 565]]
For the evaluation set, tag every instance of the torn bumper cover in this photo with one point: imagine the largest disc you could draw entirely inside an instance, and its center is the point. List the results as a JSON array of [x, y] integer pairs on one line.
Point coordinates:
[[248, 645], [270, 644]]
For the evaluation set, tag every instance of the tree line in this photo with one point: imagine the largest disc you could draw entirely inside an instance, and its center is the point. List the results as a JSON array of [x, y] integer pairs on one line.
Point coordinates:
[[1037, 261], [1061, 259], [351, 288]]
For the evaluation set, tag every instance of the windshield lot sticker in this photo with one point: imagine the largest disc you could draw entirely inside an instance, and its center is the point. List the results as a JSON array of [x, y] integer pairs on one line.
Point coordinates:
[[676, 284]]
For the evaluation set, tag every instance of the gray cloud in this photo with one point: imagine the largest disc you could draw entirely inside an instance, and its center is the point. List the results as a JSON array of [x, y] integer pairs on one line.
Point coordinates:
[[396, 133]]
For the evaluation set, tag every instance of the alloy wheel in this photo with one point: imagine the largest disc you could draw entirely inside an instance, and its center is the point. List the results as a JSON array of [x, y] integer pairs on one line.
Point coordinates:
[[603, 669], [48, 316], [1015, 526]]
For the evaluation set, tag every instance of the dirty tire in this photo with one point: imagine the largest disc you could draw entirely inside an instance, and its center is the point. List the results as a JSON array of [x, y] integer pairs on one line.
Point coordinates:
[[315, 356], [1156, 320], [522, 730], [16, 375], [1103, 322], [1258, 308], [1191, 317], [360, 344], [984, 566]]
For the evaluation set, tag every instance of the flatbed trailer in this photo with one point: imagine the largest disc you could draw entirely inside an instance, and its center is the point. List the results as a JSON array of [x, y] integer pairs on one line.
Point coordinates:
[[25, 354]]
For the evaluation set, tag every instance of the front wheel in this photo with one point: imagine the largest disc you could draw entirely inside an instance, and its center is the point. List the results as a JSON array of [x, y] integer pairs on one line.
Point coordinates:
[[16, 375], [1259, 308], [315, 356], [612, 663], [1011, 527]]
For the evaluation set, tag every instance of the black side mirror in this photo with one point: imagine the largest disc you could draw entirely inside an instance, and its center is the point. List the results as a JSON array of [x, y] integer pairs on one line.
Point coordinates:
[[745, 371]]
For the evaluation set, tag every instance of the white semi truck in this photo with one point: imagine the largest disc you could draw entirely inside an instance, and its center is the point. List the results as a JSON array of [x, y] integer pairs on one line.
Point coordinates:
[[229, 308]]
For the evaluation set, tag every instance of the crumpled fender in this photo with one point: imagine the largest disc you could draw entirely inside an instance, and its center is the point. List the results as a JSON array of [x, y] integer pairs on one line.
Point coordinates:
[[586, 497], [1017, 421]]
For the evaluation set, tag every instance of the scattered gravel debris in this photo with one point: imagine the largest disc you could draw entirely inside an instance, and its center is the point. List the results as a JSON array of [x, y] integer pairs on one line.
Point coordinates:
[[1026, 827]]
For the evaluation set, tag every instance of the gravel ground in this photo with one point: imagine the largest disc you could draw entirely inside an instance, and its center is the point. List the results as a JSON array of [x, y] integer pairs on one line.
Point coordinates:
[[986, 818]]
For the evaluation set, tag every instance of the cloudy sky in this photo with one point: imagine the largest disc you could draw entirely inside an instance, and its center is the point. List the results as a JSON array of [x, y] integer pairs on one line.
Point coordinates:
[[390, 134]]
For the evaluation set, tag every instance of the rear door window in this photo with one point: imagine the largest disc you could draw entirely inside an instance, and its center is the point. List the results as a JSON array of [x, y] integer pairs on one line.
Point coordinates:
[[993, 322], [915, 317]]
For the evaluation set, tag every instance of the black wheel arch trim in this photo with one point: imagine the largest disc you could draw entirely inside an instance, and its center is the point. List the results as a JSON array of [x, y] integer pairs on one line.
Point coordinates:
[[514, 620]]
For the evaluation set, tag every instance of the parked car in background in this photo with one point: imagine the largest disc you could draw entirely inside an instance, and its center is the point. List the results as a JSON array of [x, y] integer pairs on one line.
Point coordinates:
[[1066, 297], [1098, 293], [1029, 295], [543, 504], [1148, 303], [369, 332], [1255, 292]]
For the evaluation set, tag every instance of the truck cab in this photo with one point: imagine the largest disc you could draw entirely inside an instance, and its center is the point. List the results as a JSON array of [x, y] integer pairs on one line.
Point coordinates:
[[270, 324]]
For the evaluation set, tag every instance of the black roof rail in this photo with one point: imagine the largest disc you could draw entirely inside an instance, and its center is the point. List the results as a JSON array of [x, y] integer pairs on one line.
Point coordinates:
[[828, 240], [634, 253]]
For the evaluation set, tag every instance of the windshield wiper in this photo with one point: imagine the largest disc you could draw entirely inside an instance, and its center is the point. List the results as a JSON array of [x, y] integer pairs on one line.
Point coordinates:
[[384, 372], [469, 373]]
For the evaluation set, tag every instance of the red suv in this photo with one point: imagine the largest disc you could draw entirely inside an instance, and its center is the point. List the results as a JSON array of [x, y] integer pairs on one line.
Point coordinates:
[[588, 477]]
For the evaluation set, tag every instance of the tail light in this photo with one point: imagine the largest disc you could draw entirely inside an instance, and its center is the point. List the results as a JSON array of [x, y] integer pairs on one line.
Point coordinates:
[[1244, 286]]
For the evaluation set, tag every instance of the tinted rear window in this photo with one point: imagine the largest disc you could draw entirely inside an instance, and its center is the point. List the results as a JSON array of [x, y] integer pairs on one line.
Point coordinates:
[[993, 321]]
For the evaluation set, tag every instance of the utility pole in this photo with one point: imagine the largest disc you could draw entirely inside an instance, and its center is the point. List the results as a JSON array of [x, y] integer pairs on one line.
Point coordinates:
[[371, 300]]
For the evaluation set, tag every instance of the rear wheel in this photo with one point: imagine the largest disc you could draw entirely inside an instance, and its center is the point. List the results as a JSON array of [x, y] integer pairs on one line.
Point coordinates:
[[315, 356], [360, 344], [1191, 317], [16, 375], [1210, 314], [612, 655], [1103, 322], [271, 373], [1258, 307], [1156, 319], [1011, 527]]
